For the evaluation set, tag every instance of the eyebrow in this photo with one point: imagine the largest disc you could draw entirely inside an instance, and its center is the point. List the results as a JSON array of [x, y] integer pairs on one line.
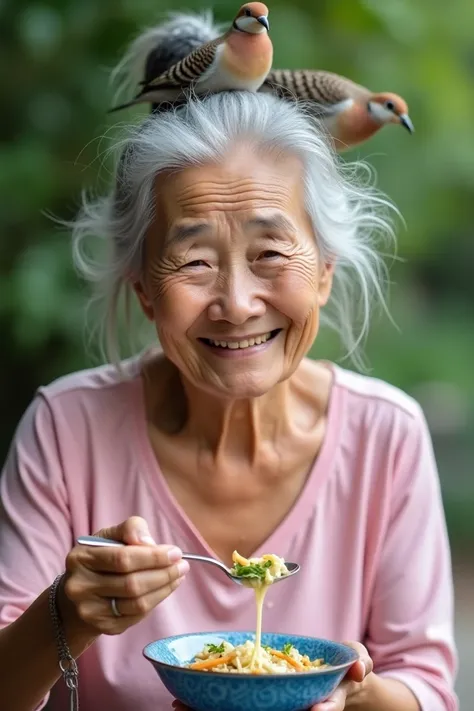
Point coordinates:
[[180, 233], [275, 222]]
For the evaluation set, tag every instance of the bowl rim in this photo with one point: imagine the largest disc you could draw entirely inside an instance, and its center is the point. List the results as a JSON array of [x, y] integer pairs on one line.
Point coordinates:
[[240, 675]]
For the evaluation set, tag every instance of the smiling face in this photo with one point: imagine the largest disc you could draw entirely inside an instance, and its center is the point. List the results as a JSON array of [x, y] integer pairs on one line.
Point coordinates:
[[232, 277]]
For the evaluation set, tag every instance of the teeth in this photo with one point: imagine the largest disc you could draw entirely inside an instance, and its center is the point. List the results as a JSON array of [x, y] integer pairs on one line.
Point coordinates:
[[234, 345]]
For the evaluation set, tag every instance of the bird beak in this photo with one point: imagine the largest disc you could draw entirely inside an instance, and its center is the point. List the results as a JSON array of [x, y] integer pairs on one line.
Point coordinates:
[[405, 120], [264, 21]]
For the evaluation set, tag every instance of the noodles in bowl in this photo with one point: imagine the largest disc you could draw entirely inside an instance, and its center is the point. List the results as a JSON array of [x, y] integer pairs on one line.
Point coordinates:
[[227, 659], [278, 689]]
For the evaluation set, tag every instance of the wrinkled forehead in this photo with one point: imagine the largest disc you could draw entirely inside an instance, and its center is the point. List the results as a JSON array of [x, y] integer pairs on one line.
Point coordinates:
[[241, 187]]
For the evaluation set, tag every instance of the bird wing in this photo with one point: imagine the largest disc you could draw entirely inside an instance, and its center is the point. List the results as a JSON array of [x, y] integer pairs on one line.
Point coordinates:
[[325, 88], [188, 70], [180, 35]]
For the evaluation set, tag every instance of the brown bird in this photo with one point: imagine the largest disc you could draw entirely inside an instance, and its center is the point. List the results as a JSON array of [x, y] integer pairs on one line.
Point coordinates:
[[239, 59], [350, 112], [170, 58]]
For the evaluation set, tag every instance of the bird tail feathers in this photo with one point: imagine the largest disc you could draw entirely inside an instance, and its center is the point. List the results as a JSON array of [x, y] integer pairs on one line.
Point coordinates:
[[157, 48]]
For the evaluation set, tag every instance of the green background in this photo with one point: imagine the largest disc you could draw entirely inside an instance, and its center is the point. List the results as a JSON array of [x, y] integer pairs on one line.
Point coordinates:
[[55, 62]]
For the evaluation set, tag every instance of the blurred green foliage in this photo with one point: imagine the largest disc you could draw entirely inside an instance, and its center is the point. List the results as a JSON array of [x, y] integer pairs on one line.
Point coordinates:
[[55, 58]]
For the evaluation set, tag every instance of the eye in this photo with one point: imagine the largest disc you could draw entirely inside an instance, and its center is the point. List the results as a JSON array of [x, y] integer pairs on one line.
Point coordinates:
[[390, 105], [248, 12], [270, 254], [196, 263]]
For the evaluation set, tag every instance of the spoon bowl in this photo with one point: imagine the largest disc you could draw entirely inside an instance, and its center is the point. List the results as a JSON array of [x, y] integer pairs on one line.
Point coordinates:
[[293, 568]]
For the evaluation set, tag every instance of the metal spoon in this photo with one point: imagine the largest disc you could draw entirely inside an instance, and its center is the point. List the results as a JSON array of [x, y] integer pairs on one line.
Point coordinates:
[[98, 541]]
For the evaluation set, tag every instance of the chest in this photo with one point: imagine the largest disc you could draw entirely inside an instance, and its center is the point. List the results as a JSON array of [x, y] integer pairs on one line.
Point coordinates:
[[233, 73], [231, 503]]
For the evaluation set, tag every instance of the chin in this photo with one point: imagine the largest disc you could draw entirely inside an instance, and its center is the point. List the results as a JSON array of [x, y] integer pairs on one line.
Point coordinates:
[[243, 386]]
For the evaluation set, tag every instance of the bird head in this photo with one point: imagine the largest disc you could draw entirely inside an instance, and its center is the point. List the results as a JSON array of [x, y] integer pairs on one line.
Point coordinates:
[[252, 18], [390, 108]]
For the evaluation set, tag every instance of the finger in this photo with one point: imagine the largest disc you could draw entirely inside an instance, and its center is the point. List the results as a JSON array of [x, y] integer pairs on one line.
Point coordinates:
[[133, 531], [363, 666], [127, 559], [357, 672], [98, 613], [336, 702], [179, 706], [131, 585], [141, 606]]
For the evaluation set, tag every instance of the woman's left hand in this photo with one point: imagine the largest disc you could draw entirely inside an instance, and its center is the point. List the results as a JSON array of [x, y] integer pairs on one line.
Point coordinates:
[[350, 687], [352, 684]]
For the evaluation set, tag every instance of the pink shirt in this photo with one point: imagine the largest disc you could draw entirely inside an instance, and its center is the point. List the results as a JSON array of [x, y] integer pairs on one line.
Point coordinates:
[[368, 531]]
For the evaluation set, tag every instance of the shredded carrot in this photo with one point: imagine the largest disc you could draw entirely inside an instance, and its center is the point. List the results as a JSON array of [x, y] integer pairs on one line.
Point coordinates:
[[211, 663], [287, 658]]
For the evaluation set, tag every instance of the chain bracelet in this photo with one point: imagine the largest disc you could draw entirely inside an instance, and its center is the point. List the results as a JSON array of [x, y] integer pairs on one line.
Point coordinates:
[[67, 663]]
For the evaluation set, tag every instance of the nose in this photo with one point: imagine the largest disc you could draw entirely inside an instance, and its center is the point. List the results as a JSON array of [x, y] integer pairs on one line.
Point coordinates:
[[238, 298]]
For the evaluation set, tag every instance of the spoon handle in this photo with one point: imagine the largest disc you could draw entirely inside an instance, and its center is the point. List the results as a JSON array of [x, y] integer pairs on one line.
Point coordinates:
[[99, 541]]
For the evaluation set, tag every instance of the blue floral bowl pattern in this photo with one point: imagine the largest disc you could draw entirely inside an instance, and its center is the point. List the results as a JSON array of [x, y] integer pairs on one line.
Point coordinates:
[[208, 691]]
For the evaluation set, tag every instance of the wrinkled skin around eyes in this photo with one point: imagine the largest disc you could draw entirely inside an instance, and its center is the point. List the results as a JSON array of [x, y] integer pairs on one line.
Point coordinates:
[[232, 254]]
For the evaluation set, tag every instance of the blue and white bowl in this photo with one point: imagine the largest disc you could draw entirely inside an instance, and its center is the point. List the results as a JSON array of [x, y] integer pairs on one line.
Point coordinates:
[[211, 691]]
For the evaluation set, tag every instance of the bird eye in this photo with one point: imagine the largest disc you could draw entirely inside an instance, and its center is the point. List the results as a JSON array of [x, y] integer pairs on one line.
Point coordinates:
[[248, 12], [390, 105]]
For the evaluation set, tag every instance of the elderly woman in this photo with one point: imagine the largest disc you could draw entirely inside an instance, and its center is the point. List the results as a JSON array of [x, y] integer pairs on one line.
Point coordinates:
[[234, 226]]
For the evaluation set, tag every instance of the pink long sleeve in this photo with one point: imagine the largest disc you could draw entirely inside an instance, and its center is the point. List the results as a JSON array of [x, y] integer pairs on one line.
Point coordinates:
[[35, 530], [411, 617]]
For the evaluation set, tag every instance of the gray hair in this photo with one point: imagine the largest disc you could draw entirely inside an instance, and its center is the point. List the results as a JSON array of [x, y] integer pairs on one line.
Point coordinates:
[[350, 218]]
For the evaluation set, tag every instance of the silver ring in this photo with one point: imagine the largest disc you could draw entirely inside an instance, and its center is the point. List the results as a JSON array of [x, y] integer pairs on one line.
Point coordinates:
[[113, 605]]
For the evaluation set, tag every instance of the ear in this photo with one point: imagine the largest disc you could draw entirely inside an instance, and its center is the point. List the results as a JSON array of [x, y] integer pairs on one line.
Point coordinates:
[[145, 303], [325, 283]]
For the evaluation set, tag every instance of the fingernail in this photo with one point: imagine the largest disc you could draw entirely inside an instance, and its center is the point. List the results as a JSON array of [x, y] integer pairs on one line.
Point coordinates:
[[148, 540], [327, 706], [365, 668], [174, 554], [183, 567]]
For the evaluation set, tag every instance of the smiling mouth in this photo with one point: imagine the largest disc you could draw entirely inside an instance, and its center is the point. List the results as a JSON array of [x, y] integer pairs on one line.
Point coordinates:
[[240, 345]]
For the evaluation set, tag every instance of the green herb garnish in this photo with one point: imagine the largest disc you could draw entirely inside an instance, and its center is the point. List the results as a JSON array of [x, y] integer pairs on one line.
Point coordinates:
[[287, 648], [216, 649], [254, 570]]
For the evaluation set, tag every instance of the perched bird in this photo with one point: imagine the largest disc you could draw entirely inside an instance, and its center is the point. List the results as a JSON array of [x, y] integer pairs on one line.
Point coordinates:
[[239, 59], [350, 112]]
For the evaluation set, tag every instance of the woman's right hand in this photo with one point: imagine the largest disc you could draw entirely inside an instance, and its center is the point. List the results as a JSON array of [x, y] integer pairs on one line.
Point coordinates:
[[138, 576]]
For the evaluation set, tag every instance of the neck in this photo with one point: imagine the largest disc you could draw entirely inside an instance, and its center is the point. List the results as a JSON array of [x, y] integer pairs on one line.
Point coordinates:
[[355, 125], [223, 427], [237, 428]]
